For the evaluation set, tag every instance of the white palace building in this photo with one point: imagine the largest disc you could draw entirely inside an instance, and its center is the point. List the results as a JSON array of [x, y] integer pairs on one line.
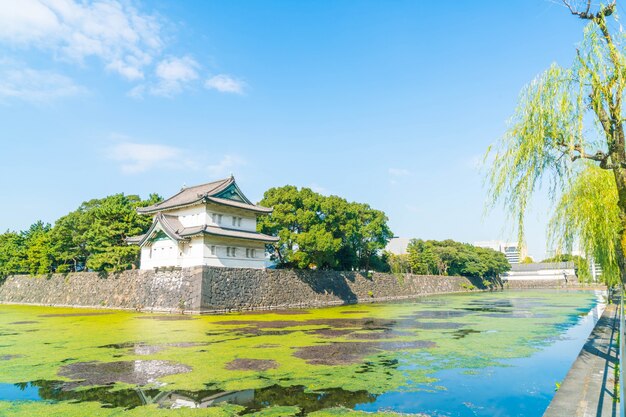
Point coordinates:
[[210, 224]]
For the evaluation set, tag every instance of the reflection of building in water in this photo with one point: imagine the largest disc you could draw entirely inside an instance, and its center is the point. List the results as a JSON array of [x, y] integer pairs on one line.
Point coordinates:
[[177, 400], [512, 250]]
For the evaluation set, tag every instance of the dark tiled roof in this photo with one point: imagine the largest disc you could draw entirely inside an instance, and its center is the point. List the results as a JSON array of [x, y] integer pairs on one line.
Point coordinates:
[[239, 204], [134, 240], [199, 193], [237, 234], [176, 231]]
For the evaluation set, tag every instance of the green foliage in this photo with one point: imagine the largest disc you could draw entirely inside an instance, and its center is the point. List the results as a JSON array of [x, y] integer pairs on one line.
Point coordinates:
[[564, 116], [92, 237], [316, 231], [588, 213], [12, 253], [399, 264], [527, 260], [448, 257], [39, 257]]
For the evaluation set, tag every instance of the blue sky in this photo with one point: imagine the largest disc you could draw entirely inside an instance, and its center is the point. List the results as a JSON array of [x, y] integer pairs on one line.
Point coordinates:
[[392, 103]]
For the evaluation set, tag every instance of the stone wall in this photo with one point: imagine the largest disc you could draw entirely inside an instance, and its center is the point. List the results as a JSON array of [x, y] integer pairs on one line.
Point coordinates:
[[240, 289], [221, 289], [140, 290]]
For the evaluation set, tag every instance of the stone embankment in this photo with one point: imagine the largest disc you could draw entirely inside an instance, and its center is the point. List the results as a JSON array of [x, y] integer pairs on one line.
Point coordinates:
[[205, 289], [589, 389]]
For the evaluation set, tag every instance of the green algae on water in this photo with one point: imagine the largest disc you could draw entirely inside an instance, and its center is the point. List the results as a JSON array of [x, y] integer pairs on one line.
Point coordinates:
[[347, 355]]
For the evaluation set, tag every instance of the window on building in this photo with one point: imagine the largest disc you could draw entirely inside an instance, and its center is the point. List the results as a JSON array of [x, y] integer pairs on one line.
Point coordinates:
[[234, 221], [253, 253], [233, 251], [239, 222], [247, 253], [212, 249]]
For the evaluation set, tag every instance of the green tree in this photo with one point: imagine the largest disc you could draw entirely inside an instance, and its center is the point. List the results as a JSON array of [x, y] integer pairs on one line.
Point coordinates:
[[323, 232], [39, 256], [569, 128], [12, 254], [448, 257], [108, 222]]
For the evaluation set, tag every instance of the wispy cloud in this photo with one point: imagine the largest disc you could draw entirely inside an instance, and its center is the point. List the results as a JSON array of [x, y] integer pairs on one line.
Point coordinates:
[[28, 84], [226, 165], [140, 157], [225, 83], [123, 38], [477, 162], [174, 74], [396, 173], [319, 189], [399, 172], [135, 158]]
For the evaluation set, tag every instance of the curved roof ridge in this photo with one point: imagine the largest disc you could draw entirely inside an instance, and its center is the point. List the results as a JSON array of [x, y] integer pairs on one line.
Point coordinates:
[[189, 195]]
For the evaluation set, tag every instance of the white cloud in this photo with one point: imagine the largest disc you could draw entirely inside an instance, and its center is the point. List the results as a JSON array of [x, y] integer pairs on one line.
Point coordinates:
[[124, 39], [319, 189], [478, 161], [225, 84], [140, 157], [226, 165], [135, 158], [173, 74], [27, 84], [399, 172]]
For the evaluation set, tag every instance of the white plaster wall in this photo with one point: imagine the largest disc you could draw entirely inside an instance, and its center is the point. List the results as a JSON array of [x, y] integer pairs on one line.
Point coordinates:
[[190, 216], [248, 220], [164, 252], [193, 252], [221, 258]]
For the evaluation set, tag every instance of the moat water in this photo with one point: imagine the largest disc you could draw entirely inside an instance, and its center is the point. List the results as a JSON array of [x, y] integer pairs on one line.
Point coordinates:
[[482, 354]]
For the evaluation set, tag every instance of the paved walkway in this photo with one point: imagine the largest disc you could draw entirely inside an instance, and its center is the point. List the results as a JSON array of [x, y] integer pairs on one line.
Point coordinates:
[[587, 390]]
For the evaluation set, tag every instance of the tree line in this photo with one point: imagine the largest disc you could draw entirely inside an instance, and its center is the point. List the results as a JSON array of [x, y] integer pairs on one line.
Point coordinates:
[[91, 237], [448, 257], [315, 231]]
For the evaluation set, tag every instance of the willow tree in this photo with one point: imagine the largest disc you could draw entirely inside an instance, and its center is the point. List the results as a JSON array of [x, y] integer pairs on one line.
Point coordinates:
[[567, 133]]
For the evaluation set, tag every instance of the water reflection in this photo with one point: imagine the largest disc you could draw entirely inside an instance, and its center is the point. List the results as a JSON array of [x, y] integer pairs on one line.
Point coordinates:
[[253, 400]]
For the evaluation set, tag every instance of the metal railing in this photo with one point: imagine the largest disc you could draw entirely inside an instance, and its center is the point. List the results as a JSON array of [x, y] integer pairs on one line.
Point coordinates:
[[622, 399]]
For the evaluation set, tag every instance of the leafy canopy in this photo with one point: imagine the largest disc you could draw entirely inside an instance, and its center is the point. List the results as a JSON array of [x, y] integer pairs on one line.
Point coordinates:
[[447, 257], [323, 232], [568, 115]]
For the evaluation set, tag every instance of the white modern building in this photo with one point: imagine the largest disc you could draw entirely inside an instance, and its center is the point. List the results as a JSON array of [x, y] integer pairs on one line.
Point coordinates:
[[398, 245], [564, 271], [512, 250], [210, 224]]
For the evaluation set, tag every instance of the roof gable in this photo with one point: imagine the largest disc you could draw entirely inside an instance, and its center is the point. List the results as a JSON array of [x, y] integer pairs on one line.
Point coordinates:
[[232, 192], [223, 191]]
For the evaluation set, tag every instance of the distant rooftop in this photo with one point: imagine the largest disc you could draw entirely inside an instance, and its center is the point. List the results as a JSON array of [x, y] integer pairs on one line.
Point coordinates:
[[398, 245]]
